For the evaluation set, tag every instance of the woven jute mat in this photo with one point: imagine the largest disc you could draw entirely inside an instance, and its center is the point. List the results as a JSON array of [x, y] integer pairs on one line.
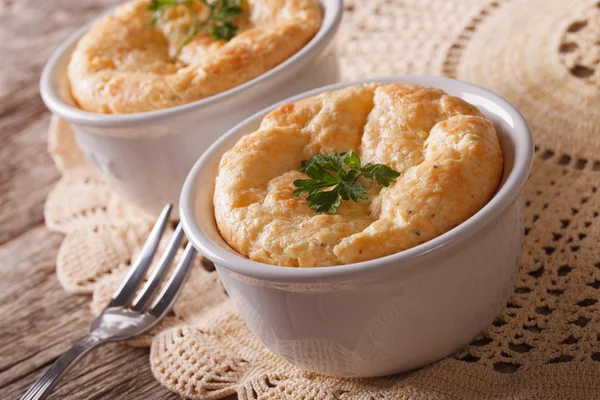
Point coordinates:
[[543, 56]]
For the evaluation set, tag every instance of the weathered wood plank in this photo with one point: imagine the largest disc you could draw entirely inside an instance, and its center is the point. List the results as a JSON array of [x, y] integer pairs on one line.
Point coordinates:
[[110, 372], [41, 321], [26, 177], [29, 32]]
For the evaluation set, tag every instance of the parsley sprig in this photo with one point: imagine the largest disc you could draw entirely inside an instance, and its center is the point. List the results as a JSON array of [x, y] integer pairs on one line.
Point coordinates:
[[344, 181], [218, 22]]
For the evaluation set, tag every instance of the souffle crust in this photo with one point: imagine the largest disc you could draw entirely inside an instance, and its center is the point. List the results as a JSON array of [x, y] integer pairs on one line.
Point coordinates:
[[123, 63], [446, 152]]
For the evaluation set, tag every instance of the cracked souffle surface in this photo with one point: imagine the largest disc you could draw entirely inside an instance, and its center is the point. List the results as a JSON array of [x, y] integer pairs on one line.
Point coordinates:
[[123, 64], [447, 153]]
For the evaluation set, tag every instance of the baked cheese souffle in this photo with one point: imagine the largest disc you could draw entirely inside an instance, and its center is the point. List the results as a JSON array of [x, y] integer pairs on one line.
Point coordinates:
[[442, 160], [152, 55]]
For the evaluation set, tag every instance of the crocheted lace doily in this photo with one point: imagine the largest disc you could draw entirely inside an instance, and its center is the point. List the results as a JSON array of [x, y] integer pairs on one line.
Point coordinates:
[[546, 342]]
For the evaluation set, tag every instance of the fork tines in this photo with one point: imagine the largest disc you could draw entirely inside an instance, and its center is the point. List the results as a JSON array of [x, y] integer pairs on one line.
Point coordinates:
[[126, 291]]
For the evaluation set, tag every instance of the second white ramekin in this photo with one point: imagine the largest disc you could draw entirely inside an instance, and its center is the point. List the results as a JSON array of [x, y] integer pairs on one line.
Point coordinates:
[[145, 157]]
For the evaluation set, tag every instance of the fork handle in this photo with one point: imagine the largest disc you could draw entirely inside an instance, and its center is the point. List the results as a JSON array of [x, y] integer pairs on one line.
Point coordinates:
[[44, 385]]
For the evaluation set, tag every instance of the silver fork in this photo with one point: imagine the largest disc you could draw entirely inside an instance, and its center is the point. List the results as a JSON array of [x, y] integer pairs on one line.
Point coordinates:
[[123, 318]]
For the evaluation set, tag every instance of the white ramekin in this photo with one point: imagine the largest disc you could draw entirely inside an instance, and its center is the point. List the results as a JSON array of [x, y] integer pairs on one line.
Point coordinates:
[[386, 315], [145, 157]]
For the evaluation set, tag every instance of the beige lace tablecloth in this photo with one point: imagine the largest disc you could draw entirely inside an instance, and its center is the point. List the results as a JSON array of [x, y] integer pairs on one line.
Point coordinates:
[[543, 56]]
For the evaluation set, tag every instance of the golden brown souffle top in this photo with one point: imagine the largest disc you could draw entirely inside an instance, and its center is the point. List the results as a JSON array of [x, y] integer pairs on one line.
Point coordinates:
[[447, 153], [122, 64]]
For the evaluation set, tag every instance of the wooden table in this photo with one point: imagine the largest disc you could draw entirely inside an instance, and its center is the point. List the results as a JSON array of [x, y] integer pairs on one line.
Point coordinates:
[[38, 320]]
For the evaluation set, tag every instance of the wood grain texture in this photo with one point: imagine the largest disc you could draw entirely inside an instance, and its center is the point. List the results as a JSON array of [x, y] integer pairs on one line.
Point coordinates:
[[39, 321], [111, 372], [29, 33]]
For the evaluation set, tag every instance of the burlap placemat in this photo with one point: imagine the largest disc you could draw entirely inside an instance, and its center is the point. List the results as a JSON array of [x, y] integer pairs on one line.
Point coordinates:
[[543, 56]]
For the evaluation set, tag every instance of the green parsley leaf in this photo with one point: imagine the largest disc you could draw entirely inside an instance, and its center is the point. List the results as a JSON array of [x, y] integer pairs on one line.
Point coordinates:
[[350, 189], [317, 172], [226, 9], [218, 23], [344, 182], [309, 186], [333, 161], [158, 7], [382, 174], [324, 202], [320, 179], [353, 161], [225, 31], [160, 4]]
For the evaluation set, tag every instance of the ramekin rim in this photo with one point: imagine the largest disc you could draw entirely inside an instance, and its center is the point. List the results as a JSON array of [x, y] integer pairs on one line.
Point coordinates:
[[76, 115], [238, 264]]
